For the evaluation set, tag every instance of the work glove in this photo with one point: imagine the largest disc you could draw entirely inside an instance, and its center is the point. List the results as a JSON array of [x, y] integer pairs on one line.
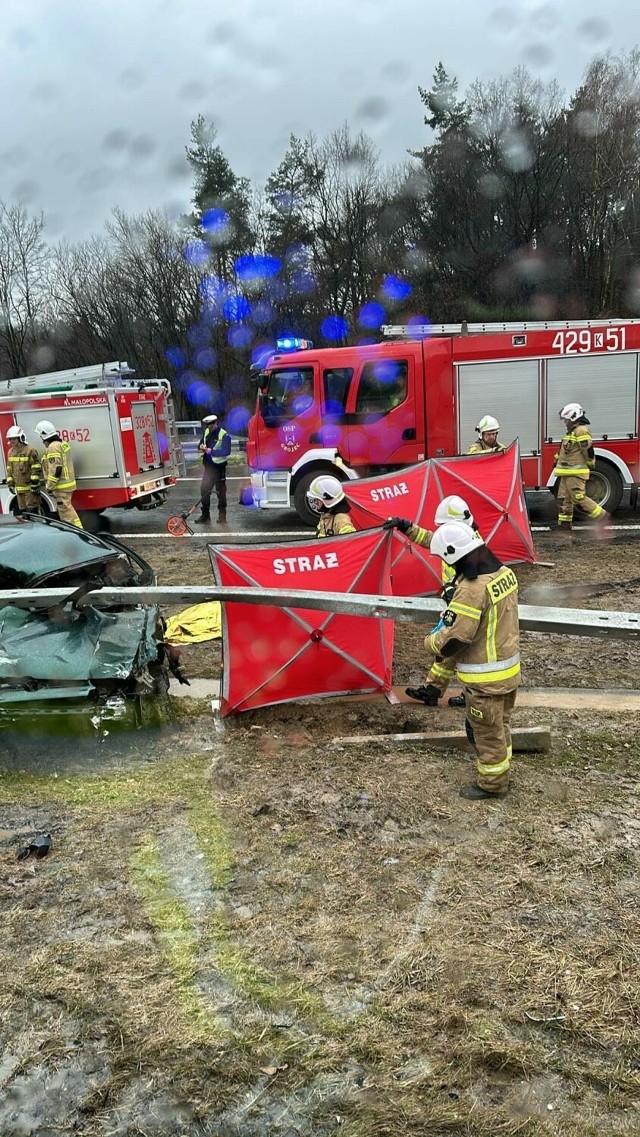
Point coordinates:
[[556, 456], [400, 523]]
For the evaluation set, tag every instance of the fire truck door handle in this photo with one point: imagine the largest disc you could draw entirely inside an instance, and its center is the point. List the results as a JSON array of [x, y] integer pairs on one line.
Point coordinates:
[[409, 435]]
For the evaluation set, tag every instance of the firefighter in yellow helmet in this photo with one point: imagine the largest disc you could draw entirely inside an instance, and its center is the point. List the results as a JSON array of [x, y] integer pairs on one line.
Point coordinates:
[[326, 497], [487, 443], [479, 632], [451, 508], [574, 462], [23, 470], [59, 475]]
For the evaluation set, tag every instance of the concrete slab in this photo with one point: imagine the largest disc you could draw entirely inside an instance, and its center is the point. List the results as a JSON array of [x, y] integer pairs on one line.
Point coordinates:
[[552, 698], [532, 740]]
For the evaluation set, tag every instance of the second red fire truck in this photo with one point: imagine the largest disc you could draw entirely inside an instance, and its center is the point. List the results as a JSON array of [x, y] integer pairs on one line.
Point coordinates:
[[358, 411], [122, 431]]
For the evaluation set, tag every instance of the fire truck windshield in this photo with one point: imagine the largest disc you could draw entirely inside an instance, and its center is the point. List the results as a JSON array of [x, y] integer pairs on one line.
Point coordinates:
[[287, 394]]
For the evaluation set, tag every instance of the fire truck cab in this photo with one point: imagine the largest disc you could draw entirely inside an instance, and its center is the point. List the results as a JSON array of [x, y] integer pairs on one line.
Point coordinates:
[[121, 429], [361, 410]]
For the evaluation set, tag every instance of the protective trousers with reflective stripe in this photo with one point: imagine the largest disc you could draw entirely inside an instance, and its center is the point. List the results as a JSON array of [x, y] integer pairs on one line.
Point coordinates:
[[29, 502], [66, 512], [571, 495], [488, 727]]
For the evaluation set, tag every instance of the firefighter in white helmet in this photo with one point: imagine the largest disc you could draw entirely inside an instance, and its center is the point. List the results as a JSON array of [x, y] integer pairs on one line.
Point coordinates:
[[23, 470], [326, 497], [479, 632], [57, 468], [487, 443], [452, 508], [574, 462]]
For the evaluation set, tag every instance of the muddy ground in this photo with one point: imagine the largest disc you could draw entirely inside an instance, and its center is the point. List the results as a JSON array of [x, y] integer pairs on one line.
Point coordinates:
[[251, 927]]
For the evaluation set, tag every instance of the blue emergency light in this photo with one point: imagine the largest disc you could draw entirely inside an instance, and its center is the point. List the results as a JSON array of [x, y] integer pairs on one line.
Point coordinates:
[[292, 343]]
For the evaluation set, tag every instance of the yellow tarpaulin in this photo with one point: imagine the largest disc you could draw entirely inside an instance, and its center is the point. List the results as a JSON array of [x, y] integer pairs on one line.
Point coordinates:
[[196, 624]]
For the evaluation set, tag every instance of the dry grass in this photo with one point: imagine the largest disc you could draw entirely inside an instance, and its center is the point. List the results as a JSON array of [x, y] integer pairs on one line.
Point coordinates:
[[294, 939], [417, 965]]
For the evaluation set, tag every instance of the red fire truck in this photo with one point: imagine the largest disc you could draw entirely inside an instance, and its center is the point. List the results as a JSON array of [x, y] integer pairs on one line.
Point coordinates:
[[122, 432], [358, 411]]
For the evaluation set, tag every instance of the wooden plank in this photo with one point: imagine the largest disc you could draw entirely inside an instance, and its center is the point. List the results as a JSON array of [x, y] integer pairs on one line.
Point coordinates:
[[531, 739]]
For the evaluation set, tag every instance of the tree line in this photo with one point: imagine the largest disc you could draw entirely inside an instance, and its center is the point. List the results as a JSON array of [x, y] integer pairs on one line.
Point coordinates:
[[522, 204]]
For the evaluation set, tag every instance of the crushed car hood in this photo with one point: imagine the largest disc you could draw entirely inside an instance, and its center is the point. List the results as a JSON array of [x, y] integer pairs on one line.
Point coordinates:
[[85, 645]]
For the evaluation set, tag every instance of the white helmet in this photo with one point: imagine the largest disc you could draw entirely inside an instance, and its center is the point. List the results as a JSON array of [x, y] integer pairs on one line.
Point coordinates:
[[572, 412], [487, 424], [45, 429], [324, 490], [453, 541], [16, 434], [453, 508], [209, 420]]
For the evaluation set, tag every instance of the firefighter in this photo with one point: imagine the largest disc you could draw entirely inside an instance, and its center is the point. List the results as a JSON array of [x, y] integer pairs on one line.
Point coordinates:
[[574, 462], [452, 508], [479, 632], [215, 447], [487, 431], [57, 468], [326, 497], [23, 470]]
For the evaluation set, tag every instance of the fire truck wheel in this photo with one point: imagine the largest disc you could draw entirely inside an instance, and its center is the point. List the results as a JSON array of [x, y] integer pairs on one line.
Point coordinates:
[[605, 486], [300, 493]]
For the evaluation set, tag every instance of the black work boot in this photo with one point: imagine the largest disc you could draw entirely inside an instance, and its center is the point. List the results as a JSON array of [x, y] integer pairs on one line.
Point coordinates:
[[474, 792], [222, 517], [428, 695], [457, 701], [204, 519]]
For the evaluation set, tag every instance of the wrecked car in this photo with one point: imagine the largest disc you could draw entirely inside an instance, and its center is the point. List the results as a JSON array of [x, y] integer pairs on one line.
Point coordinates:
[[68, 651]]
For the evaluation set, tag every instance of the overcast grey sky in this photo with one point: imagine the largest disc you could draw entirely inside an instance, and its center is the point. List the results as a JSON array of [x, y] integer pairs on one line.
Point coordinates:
[[96, 96]]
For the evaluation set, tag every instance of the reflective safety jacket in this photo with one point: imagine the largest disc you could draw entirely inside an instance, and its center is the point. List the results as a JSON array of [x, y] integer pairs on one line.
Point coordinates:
[[334, 525], [481, 447], [23, 468], [576, 457], [479, 631], [216, 439], [57, 467]]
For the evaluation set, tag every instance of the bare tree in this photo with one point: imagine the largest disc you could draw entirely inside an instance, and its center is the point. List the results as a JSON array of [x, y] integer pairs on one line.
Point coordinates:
[[24, 261]]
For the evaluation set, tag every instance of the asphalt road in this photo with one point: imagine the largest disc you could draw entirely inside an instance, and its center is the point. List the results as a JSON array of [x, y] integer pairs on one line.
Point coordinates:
[[243, 522]]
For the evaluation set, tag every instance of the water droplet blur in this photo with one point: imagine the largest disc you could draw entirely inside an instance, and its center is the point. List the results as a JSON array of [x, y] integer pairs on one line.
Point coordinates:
[[503, 20], [115, 142], [586, 123], [44, 92], [13, 157], [143, 146], [516, 153], [594, 32], [192, 91], [25, 191], [538, 57], [131, 79], [491, 186], [372, 110]]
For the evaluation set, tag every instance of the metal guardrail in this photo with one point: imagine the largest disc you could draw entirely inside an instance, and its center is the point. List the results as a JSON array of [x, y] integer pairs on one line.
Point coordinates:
[[189, 433], [550, 621]]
